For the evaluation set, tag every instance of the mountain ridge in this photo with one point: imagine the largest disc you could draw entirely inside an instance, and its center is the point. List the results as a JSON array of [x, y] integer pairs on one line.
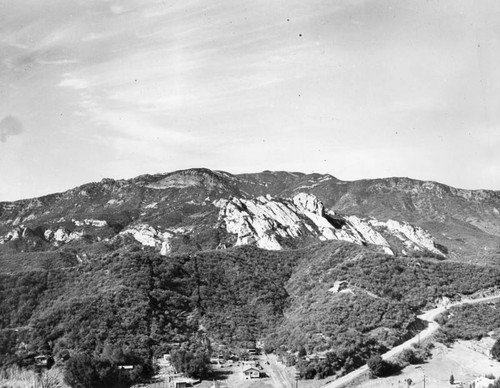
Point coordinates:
[[466, 222], [297, 174]]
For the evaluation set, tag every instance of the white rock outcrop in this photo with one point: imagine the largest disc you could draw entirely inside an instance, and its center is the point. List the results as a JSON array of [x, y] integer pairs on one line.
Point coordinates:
[[413, 237], [62, 235], [264, 221], [151, 237], [58, 236], [14, 234], [90, 222]]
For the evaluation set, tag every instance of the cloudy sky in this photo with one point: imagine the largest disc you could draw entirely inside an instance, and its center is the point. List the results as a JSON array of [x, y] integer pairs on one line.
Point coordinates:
[[359, 89]]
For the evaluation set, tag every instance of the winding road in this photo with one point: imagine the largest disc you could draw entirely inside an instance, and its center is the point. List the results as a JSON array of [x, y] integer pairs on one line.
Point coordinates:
[[429, 316]]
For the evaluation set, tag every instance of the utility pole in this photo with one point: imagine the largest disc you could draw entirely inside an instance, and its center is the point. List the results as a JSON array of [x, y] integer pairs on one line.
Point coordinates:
[[424, 380]]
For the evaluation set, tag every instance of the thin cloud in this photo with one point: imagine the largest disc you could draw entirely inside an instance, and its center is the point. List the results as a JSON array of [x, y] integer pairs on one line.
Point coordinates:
[[10, 126], [56, 61], [75, 83]]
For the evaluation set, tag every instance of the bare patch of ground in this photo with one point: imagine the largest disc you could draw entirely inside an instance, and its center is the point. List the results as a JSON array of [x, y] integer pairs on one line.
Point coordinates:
[[466, 360]]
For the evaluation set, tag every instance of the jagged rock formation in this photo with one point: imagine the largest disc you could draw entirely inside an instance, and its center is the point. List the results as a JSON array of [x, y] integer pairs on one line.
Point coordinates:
[[151, 237], [466, 222], [90, 222], [266, 221]]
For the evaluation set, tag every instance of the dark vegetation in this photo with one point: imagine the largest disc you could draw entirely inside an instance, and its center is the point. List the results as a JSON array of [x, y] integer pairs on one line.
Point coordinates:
[[472, 321], [379, 367], [495, 350], [378, 313], [141, 305], [194, 362], [495, 384], [85, 371], [144, 304]]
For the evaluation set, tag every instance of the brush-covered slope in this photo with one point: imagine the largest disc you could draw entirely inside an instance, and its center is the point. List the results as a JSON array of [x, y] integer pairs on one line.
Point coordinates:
[[146, 304], [181, 212], [196, 258], [353, 302], [465, 221]]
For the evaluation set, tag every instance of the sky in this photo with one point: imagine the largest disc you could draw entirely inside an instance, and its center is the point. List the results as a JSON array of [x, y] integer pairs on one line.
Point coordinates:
[[358, 89]]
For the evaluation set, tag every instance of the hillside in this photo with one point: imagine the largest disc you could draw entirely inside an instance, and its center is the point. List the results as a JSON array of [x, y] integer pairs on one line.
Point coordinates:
[[198, 259], [182, 212], [141, 301], [136, 300]]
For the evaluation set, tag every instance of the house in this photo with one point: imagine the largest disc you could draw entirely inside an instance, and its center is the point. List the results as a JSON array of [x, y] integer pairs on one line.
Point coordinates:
[[251, 373], [125, 367], [42, 361], [182, 382], [315, 357]]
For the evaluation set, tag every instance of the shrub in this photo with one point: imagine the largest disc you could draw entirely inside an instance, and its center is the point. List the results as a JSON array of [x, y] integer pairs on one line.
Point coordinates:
[[378, 366], [80, 372], [381, 368], [495, 350], [495, 384], [415, 355], [84, 371]]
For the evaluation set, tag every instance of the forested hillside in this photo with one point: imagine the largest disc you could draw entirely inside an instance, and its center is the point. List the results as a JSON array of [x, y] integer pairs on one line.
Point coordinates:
[[145, 304]]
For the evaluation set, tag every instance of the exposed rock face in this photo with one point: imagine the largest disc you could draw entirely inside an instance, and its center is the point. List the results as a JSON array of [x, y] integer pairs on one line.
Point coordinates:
[[151, 237], [466, 222], [266, 221], [62, 235], [190, 178], [14, 234], [91, 222], [412, 236], [308, 203]]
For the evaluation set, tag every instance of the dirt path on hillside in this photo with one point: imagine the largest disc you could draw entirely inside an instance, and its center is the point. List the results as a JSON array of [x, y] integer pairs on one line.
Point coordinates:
[[433, 326]]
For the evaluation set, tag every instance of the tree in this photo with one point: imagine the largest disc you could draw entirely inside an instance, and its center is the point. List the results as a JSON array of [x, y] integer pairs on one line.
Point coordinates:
[[378, 367], [452, 379], [193, 364], [495, 350], [80, 372], [302, 352], [84, 371]]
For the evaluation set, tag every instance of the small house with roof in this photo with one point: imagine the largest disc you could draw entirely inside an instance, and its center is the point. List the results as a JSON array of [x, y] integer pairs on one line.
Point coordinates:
[[251, 373], [43, 361]]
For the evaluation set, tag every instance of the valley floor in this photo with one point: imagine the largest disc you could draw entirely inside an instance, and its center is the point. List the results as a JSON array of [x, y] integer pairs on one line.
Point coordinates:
[[273, 375], [465, 360]]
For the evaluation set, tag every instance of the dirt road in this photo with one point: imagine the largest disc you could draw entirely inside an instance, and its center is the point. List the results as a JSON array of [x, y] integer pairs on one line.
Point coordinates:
[[278, 373], [433, 326]]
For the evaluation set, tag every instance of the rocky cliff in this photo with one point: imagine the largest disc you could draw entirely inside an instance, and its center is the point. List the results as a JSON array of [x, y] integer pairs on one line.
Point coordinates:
[[270, 223], [201, 209]]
